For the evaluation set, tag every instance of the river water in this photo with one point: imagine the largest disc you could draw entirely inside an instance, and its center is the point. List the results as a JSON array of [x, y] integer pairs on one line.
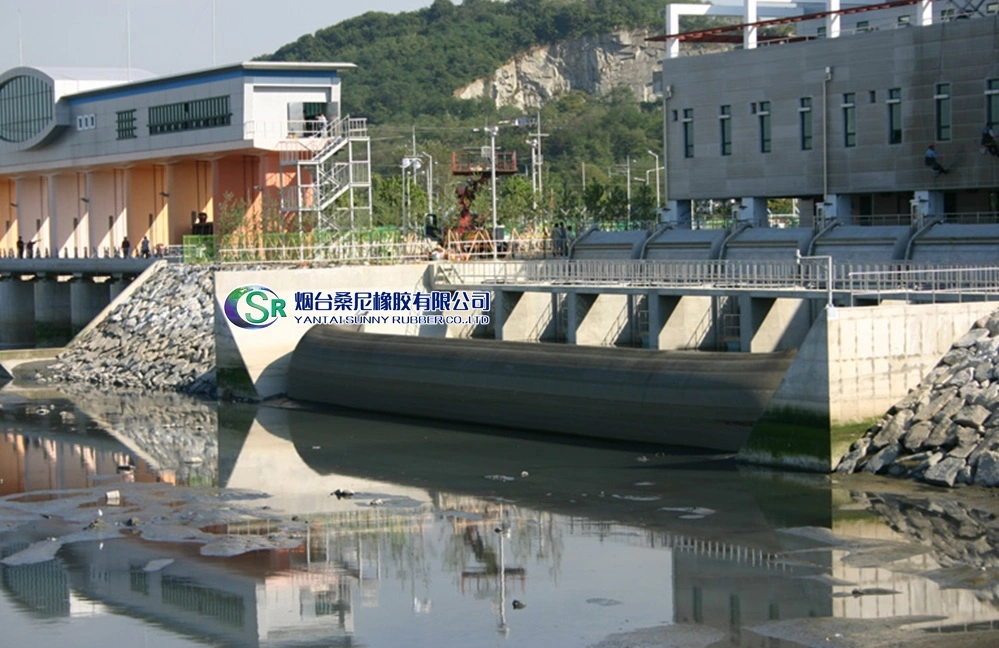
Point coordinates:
[[169, 521]]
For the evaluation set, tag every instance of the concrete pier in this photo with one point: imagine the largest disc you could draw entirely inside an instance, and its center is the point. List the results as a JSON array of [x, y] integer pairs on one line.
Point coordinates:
[[87, 299], [17, 313], [53, 321]]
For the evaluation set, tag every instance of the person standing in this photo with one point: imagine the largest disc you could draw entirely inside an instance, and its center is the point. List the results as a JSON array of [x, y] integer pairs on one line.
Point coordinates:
[[126, 248], [144, 247], [20, 247], [29, 248]]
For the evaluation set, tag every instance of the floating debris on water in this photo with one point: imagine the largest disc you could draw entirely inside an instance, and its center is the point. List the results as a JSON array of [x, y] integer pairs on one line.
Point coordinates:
[[637, 498], [690, 512]]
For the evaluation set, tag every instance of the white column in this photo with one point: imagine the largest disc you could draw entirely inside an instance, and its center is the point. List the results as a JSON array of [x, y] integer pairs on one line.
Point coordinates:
[[750, 14], [924, 16], [833, 20], [672, 27]]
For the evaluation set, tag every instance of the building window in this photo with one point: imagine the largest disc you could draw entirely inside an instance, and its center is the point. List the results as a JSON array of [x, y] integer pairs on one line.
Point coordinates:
[[895, 116], [849, 119], [943, 117], [86, 122], [189, 115], [126, 124], [725, 123], [904, 21], [688, 132], [821, 32], [863, 25], [992, 8], [992, 101], [25, 108], [764, 114], [805, 122]]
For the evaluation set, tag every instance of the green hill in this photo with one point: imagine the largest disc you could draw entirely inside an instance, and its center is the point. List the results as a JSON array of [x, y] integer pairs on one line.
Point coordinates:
[[409, 64]]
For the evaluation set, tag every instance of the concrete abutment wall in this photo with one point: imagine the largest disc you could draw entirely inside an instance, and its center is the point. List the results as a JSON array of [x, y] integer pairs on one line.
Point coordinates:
[[853, 366]]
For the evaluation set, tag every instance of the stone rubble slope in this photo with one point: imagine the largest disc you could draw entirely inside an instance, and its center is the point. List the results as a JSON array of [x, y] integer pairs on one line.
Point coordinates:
[[946, 430], [161, 338]]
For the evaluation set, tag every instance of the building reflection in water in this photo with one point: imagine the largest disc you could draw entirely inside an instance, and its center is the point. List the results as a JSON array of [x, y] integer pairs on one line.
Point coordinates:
[[439, 545]]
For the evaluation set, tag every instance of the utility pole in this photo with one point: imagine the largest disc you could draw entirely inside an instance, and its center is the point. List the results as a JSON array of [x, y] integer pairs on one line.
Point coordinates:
[[629, 188], [537, 159], [538, 136]]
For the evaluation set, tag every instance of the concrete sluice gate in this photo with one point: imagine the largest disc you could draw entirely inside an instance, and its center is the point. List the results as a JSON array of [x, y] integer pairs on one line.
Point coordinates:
[[688, 398]]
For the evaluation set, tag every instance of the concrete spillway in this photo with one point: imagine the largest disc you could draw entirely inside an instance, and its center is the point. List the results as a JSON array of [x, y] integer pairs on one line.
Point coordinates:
[[697, 399]]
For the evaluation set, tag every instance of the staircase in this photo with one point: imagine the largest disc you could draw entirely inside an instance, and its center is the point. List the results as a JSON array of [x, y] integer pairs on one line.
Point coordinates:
[[333, 163]]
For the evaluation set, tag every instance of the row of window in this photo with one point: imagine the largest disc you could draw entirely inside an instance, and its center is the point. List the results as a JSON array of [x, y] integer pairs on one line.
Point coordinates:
[[905, 20], [175, 117], [848, 106]]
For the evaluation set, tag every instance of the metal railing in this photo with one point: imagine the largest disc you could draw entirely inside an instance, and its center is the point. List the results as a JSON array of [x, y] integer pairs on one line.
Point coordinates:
[[156, 251], [343, 252], [305, 130], [981, 282], [811, 274]]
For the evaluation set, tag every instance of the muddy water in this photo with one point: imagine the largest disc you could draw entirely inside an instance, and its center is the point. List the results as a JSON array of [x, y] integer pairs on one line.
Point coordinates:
[[172, 522]]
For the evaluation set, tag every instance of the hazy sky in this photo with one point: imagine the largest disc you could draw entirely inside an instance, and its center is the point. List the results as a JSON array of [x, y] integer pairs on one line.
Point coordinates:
[[167, 36]]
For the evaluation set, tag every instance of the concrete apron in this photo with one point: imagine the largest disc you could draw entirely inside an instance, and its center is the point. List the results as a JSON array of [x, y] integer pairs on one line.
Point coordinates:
[[854, 365], [9, 360]]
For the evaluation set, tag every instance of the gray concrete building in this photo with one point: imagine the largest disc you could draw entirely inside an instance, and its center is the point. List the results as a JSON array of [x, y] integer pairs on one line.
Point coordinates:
[[835, 106]]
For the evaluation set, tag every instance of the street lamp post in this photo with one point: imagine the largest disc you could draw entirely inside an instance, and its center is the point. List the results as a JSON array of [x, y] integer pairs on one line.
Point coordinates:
[[430, 182], [658, 196], [493, 130], [404, 165]]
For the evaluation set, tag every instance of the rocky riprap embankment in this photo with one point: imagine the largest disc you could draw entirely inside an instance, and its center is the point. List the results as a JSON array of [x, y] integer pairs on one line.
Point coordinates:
[[161, 338], [946, 431]]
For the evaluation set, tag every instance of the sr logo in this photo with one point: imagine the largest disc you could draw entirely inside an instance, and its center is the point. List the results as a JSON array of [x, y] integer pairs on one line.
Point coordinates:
[[254, 307]]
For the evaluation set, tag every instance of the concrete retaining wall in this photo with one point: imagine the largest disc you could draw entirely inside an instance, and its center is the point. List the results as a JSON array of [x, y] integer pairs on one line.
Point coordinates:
[[854, 364]]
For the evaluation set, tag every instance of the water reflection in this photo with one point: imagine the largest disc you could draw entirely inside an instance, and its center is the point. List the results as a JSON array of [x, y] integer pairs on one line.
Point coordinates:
[[447, 528]]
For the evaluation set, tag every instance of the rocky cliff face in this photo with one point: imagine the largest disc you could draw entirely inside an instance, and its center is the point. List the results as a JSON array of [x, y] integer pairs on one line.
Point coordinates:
[[593, 64]]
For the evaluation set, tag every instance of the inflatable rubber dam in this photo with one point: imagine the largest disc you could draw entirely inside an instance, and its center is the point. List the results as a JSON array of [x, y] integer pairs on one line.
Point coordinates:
[[690, 398]]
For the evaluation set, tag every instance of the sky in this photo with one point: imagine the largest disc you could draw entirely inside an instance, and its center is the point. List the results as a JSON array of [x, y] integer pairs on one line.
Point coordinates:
[[167, 36]]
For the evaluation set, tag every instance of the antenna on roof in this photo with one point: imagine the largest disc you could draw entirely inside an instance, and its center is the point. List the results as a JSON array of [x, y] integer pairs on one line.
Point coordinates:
[[20, 40], [128, 40]]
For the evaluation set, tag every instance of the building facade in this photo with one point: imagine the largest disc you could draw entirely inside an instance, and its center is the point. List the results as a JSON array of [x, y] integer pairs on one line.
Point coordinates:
[[836, 106], [89, 157]]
